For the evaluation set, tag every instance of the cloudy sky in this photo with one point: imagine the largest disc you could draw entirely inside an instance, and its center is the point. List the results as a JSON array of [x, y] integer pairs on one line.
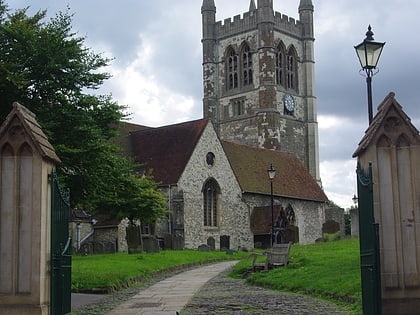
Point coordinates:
[[157, 67]]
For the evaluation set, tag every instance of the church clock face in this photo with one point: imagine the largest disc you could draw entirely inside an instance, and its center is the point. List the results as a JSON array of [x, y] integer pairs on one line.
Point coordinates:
[[289, 103]]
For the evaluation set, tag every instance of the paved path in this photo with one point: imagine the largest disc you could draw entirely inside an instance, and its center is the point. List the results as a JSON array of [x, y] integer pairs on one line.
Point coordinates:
[[169, 296]]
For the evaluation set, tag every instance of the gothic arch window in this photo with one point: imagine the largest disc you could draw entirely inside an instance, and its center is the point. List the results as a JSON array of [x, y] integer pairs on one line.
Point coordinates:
[[403, 141], [232, 64], [280, 65], [211, 196], [383, 142], [291, 69], [290, 215], [246, 66]]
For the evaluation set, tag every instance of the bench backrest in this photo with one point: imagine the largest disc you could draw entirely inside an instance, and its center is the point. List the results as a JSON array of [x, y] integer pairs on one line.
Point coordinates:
[[280, 254]]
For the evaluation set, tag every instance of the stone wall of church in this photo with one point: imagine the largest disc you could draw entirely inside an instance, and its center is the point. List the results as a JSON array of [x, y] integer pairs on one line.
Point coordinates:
[[309, 215], [233, 215]]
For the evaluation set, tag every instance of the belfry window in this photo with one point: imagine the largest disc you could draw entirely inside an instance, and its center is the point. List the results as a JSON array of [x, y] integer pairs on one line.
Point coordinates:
[[211, 196], [291, 69], [232, 70], [280, 62], [246, 66]]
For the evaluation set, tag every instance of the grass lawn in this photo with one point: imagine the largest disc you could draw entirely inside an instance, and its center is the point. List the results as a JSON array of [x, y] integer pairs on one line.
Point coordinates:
[[115, 270], [329, 270]]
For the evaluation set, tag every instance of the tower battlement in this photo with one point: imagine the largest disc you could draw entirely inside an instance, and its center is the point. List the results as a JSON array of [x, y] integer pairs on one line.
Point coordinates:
[[249, 21]]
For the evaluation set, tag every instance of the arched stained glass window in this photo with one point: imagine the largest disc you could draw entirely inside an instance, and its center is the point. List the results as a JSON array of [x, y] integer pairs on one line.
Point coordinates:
[[211, 196]]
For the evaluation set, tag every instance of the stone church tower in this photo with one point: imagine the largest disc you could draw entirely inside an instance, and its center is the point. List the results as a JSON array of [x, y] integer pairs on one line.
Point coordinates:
[[258, 76]]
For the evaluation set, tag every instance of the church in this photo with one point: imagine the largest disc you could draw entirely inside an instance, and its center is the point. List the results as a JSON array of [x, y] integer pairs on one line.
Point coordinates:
[[259, 112], [246, 174]]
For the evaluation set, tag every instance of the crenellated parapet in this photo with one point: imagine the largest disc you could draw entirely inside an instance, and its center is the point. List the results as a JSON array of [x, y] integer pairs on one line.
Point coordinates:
[[249, 21]]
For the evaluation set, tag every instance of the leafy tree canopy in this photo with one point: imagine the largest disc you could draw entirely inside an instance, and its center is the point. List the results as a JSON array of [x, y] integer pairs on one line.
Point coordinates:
[[46, 67]]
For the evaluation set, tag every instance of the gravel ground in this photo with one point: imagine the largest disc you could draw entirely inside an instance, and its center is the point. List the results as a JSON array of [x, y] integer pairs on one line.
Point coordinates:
[[223, 295]]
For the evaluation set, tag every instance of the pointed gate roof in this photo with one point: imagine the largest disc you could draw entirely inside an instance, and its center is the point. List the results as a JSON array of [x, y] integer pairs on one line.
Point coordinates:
[[32, 130], [390, 124]]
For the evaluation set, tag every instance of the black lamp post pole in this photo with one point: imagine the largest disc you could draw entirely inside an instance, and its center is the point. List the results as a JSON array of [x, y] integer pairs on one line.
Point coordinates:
[[369, 74], [272, 214]]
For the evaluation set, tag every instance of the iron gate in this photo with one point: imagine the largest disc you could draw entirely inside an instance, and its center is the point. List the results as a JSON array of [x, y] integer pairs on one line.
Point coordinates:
[[60, 250], [369, 244]]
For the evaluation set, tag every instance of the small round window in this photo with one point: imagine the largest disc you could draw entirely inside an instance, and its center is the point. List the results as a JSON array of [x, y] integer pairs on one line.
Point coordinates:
[[210, 158]]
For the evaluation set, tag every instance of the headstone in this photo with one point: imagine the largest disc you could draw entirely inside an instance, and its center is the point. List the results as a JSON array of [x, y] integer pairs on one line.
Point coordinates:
[[134, 238], [211, 243], [151, 244], [204, 248], [330, 227], [224, 242]]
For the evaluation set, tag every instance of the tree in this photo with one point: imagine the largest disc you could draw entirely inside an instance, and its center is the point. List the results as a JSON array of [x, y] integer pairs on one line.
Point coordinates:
[[47, 68]]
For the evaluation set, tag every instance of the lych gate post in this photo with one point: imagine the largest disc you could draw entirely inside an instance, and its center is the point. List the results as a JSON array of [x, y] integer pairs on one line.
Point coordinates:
[[392, 190], [26, 160]]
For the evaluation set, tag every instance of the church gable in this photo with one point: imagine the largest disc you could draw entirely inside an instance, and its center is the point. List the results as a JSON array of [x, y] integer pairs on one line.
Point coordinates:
[[213, 209]]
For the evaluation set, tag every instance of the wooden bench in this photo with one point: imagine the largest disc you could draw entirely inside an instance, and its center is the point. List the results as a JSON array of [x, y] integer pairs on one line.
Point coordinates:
[[277, 257]]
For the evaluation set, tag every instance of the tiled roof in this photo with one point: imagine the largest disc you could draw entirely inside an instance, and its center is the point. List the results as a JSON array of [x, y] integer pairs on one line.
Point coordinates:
[[378, 122], [167, 150], [106, 220], [123, 139], [292, 179]]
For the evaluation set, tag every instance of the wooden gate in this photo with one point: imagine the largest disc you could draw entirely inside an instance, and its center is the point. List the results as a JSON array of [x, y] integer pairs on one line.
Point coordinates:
[[60, 250], [369, 244]]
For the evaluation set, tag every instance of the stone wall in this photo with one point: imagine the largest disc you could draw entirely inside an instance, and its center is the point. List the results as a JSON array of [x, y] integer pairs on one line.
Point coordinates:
[[233, 216]]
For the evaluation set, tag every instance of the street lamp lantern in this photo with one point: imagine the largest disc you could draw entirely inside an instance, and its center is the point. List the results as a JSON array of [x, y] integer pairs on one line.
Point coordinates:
[[368, 53], [271, 174]]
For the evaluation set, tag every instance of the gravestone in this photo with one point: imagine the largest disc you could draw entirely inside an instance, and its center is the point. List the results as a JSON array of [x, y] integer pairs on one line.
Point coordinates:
[[330, 227], [211, 243], [133, 236], [26, 161], [224, 242], [204, 248], [150, 244]]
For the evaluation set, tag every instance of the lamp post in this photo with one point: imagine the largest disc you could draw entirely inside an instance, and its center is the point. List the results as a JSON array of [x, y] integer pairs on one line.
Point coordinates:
[[271, 174], [369, 52]]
